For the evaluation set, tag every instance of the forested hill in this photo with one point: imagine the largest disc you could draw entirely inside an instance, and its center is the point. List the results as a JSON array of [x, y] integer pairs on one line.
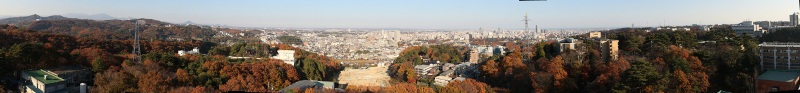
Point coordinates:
[[24, 20], [112, 29]]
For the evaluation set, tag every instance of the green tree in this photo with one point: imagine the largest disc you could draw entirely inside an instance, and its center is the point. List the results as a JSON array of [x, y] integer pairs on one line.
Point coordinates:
[[641, 77], [98, 65], [312, 69], [219, 50]]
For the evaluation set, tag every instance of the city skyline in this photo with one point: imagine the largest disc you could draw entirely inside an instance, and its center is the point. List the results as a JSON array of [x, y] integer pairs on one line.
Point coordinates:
[[470, 14]]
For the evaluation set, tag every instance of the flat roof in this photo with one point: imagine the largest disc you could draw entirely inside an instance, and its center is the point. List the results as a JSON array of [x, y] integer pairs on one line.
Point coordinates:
[[780, 75], [302, 84], [68, 69], [39, 75], [421, 66], [779, 44]]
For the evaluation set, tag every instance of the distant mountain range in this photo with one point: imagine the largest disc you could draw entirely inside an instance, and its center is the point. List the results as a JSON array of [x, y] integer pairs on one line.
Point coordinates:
[[30, 19], [93, 16]]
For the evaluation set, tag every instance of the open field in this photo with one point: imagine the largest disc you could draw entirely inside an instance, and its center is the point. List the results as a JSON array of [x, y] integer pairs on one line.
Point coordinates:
[[373, 76], [356, 61]]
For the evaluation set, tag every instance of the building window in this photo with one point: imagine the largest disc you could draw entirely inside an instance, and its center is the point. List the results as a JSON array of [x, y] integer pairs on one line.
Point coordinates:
[[774, 89]]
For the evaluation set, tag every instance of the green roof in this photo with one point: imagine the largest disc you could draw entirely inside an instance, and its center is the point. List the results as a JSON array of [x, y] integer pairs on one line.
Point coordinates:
[[780, 75], [39, 75]]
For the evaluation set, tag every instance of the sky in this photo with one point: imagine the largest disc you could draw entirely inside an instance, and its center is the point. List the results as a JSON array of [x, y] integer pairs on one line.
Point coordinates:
[[421, 14]]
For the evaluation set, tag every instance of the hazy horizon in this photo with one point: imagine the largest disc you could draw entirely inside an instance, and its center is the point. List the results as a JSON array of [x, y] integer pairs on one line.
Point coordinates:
[[469, 14]]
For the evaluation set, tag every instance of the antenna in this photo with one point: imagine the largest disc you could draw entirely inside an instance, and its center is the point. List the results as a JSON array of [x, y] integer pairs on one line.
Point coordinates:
[[136, 49]]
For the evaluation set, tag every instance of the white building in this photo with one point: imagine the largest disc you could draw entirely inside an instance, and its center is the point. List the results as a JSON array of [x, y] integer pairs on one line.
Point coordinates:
[[194, 51], [442, 80], [423, 69], [286, 55], [671, 28], [748, 27]]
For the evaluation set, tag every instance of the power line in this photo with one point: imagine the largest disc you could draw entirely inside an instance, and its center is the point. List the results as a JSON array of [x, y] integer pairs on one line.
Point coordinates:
[[136, 49]]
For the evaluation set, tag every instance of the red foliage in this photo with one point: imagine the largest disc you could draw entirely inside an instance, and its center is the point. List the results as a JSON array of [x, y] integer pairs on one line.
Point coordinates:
[[259, 76], [466, 86]]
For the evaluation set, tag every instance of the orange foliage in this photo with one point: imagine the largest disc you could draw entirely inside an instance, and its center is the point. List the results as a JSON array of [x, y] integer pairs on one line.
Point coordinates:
[[259, 76], [197, 89], [404, 71], [183, 77], [682, 83], [466, 86], [362, 89], [406, 88], [154, 82]]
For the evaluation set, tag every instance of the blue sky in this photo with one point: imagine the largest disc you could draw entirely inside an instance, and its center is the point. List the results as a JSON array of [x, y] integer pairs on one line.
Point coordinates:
[[424, 14]]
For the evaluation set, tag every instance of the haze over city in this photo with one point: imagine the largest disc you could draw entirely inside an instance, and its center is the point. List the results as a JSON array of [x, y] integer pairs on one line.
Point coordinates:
[[421, 14]]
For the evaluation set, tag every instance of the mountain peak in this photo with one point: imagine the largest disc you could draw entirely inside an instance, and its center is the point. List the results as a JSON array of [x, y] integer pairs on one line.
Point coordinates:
[[189, 23]]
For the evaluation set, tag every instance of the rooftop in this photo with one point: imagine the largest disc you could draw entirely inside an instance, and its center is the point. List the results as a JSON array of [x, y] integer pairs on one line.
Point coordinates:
[[780, 75], [39, 75], [779, 44], [68, 69], [302, 84], [422, 66]]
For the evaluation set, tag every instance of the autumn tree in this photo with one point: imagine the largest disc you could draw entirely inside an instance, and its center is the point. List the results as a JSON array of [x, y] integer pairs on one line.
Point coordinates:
[[114, 80], [466, 86], [406, 88], [403, 72], [183, 77], [189, 89], [258, 76], [154, 82]]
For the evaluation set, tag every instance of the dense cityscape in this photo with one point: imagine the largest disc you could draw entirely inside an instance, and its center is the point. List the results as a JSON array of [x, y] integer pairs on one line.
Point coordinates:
[[57, 52]]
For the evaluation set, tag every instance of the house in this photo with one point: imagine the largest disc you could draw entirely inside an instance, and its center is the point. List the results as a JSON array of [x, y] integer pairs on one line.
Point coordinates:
[[778, 80], [42, 81]]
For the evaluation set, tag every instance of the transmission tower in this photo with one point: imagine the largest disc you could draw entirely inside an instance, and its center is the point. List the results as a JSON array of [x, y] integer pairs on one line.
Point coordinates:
[[526, 22], [137, 51]]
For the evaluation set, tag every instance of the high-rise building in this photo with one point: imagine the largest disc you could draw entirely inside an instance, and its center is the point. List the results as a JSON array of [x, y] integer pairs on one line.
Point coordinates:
[[793, 19]]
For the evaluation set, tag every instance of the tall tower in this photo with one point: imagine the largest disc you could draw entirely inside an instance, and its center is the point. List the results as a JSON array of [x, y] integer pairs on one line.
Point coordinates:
[[526, 21], [793, 19], [137, 51]]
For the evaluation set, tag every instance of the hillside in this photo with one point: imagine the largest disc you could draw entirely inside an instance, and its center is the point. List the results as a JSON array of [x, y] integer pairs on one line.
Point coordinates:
[[24, 20], [113, 29]]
